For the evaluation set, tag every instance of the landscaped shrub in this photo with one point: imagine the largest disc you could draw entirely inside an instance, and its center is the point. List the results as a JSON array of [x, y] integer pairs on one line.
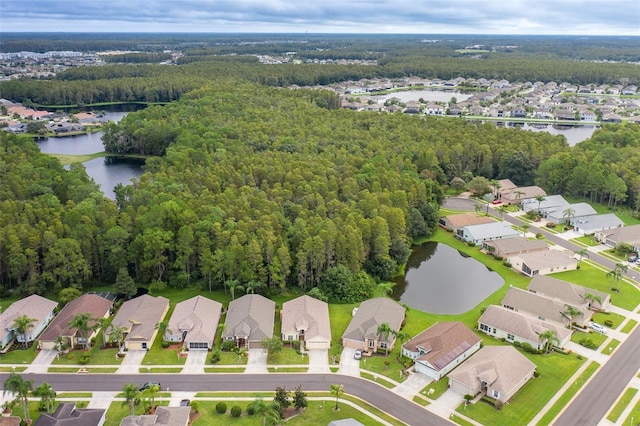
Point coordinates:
[[536, 374], [550, 225], [84, 359], [498, 404], [539, 236], [471, 244], [588, 343], [195, 407], [157, 287], [221, 408], [236, 411], [528, 348], [216, 356], [164, 344], [507, 264], [498, 257], [608, 323], [228, 345], [251, 410]]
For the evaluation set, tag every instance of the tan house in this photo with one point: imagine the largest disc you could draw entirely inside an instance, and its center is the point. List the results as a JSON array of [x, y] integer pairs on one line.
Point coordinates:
[[544, 308], [194, 322], [517, 195], [625, 234], [572, 294], [455, 221], [163, 416], [35, 307], [307, 319], [250, 320], [497, 371], [503, 323], [362, 331], [543, 262], [68, 415], [509, 247], [441, 348], [96, 306], [140, 318]]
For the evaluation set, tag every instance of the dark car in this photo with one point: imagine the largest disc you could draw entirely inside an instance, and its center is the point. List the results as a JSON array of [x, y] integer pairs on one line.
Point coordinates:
[[185, 403], [147, 385]]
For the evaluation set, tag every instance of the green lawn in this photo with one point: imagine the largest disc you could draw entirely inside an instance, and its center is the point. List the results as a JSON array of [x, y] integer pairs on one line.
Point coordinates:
[[596, 338], [629, 326], [610, 347], [616, 319], [229, 358], [586, 241], [19, 355], [555, 369], [634, 415], [622, 404], [160, 356], [438, 387], [624, 214], [287, 356], [378, 379], [98, 356], [340, 316], [568, 394]]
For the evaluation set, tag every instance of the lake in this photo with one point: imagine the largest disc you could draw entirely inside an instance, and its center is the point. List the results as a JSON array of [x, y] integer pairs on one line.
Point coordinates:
[[573, 133], [441, 280]]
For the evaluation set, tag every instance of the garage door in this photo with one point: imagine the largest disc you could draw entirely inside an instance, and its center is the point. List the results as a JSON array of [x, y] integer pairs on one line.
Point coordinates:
[[198, 346]]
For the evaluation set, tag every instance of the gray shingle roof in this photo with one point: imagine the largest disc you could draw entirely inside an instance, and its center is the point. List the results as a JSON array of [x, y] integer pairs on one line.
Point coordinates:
[[251, 315], [520, 325], [491, 230], [548, 309], [67, 414], [544, 259], [163, 416], [596, 222], [517, 245], [141, 315], [199, 316], [565, 291], [308, 314], [34, 306], [371, 314]]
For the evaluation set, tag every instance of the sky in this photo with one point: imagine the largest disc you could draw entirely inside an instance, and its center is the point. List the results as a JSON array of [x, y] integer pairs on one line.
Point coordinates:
[[538, 17]]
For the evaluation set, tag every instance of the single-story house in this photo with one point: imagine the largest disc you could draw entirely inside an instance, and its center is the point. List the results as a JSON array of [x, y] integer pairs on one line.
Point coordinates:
[[571, 212], [545, 205], [517, 195], [625, 234], [362, 331], [194, 322], [441, 348], [543, 262], [497, 371], [587, 225], [96, 306], [163, 416], [307, 319], [140, 318], [68, 415], [505, 185], [487, 231], [508, 247], [35, 307], [455, 221], [570, 293], [250, 320], [503, 323], [544, 308]]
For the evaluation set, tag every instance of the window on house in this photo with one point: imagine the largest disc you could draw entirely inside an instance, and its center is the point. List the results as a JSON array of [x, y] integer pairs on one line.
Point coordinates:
[[494, 331], [290, 337], [509, 336], [496, 394], [383, 345], [372, 344]]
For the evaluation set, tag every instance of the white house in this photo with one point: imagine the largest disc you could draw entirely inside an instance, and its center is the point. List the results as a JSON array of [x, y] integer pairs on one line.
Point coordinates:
[[543, 262], [488, 231], [441, 348], [595, 223], [35, 307]]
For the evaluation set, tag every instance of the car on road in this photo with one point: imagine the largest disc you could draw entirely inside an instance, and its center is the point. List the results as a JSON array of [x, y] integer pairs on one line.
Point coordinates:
[[357, 354], [147, 385], [598, 328]]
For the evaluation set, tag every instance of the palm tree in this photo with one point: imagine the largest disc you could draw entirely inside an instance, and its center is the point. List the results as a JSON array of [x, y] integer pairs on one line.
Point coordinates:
[[385, 288], [525, 227], [569, 213], [234, 285], [47, 395], [82, 323], [518, 194], [131, 394], [252, 286], [570, 312], [338, 391], [151, 393], [384, 330], [539, 199], [549, 337], [496, 186], [117, 335], [592, 298], [270, 411], [582, 253], [616, 275], [21, 326], [478, 208], [502, 210], [21, 388], [104, 324], [402, 336]]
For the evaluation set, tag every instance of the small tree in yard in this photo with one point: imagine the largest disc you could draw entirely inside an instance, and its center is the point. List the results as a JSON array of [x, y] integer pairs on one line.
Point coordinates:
[[282, 399], [272, 345], [124, 284], [337, 390], [300, 398]]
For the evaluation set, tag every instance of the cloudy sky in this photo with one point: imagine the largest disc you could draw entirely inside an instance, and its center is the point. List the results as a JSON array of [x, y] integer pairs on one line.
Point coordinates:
[[584, 17]]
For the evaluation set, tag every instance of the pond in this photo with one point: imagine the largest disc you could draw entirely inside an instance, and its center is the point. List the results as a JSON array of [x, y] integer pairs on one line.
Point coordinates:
[[441, 280]]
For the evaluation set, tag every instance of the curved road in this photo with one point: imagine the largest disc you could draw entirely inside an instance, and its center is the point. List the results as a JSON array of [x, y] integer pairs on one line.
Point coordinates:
[[376, 395]]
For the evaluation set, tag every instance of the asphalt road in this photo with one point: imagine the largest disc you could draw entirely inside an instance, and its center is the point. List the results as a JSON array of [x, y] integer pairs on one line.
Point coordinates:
[[376, 395]]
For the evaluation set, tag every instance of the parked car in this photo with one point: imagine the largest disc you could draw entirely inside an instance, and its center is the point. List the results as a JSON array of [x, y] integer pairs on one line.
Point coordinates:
[[598, 328], [357, 354], [185, 403], [147, 385], [633, 259]]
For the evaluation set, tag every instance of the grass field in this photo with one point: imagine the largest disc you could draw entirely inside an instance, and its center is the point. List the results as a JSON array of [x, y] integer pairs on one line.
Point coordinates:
[[615, 413], [629, 326]]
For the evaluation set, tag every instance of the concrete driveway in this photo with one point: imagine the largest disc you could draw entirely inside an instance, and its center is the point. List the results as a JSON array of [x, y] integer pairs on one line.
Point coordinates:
[[132, 362], [318, 361], [195, 362], [257, 361], [348, 365], [42, 361]]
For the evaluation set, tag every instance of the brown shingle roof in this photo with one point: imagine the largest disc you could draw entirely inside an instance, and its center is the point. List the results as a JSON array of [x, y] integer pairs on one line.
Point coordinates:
[[141, 316], [517, 245], [467, 219], [520, 325], [544, 259], [87, 303]]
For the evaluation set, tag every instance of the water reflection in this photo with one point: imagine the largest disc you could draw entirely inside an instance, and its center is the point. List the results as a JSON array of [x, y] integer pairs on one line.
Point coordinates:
[[441, 280]]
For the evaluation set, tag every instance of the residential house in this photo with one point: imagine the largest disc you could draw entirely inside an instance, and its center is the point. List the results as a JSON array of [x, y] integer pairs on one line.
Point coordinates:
[[455, 109], [140, 318], [362, 331], [163, 416], [96, 306], [194, 322], [543, 262], [571, 212], [626, 234], [503, 323], [307, 319], [544, 308], [508, 247], [518, 195], [505, 185], [455, 221], [572, 294], [35, 307], [441, 348], [249, 321], [586, 115], [611, 118], [487, 231], [434, 109], [412, 107], [518, 112], [588, 225], [476, 110], [497, 371], [68, 415], [548, 203]]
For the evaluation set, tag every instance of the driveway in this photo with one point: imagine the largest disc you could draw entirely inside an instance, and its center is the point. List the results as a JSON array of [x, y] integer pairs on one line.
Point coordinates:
[[42, 361], [132, 362], [195, 362], [257, 361], [348, 365], [318, 361]]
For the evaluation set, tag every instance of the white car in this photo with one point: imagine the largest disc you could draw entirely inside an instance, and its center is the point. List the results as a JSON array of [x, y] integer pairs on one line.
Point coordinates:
[[597, 327], [357, 354]]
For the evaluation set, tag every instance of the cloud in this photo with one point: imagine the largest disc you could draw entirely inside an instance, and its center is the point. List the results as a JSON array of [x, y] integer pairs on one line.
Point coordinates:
[[590, 17]]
